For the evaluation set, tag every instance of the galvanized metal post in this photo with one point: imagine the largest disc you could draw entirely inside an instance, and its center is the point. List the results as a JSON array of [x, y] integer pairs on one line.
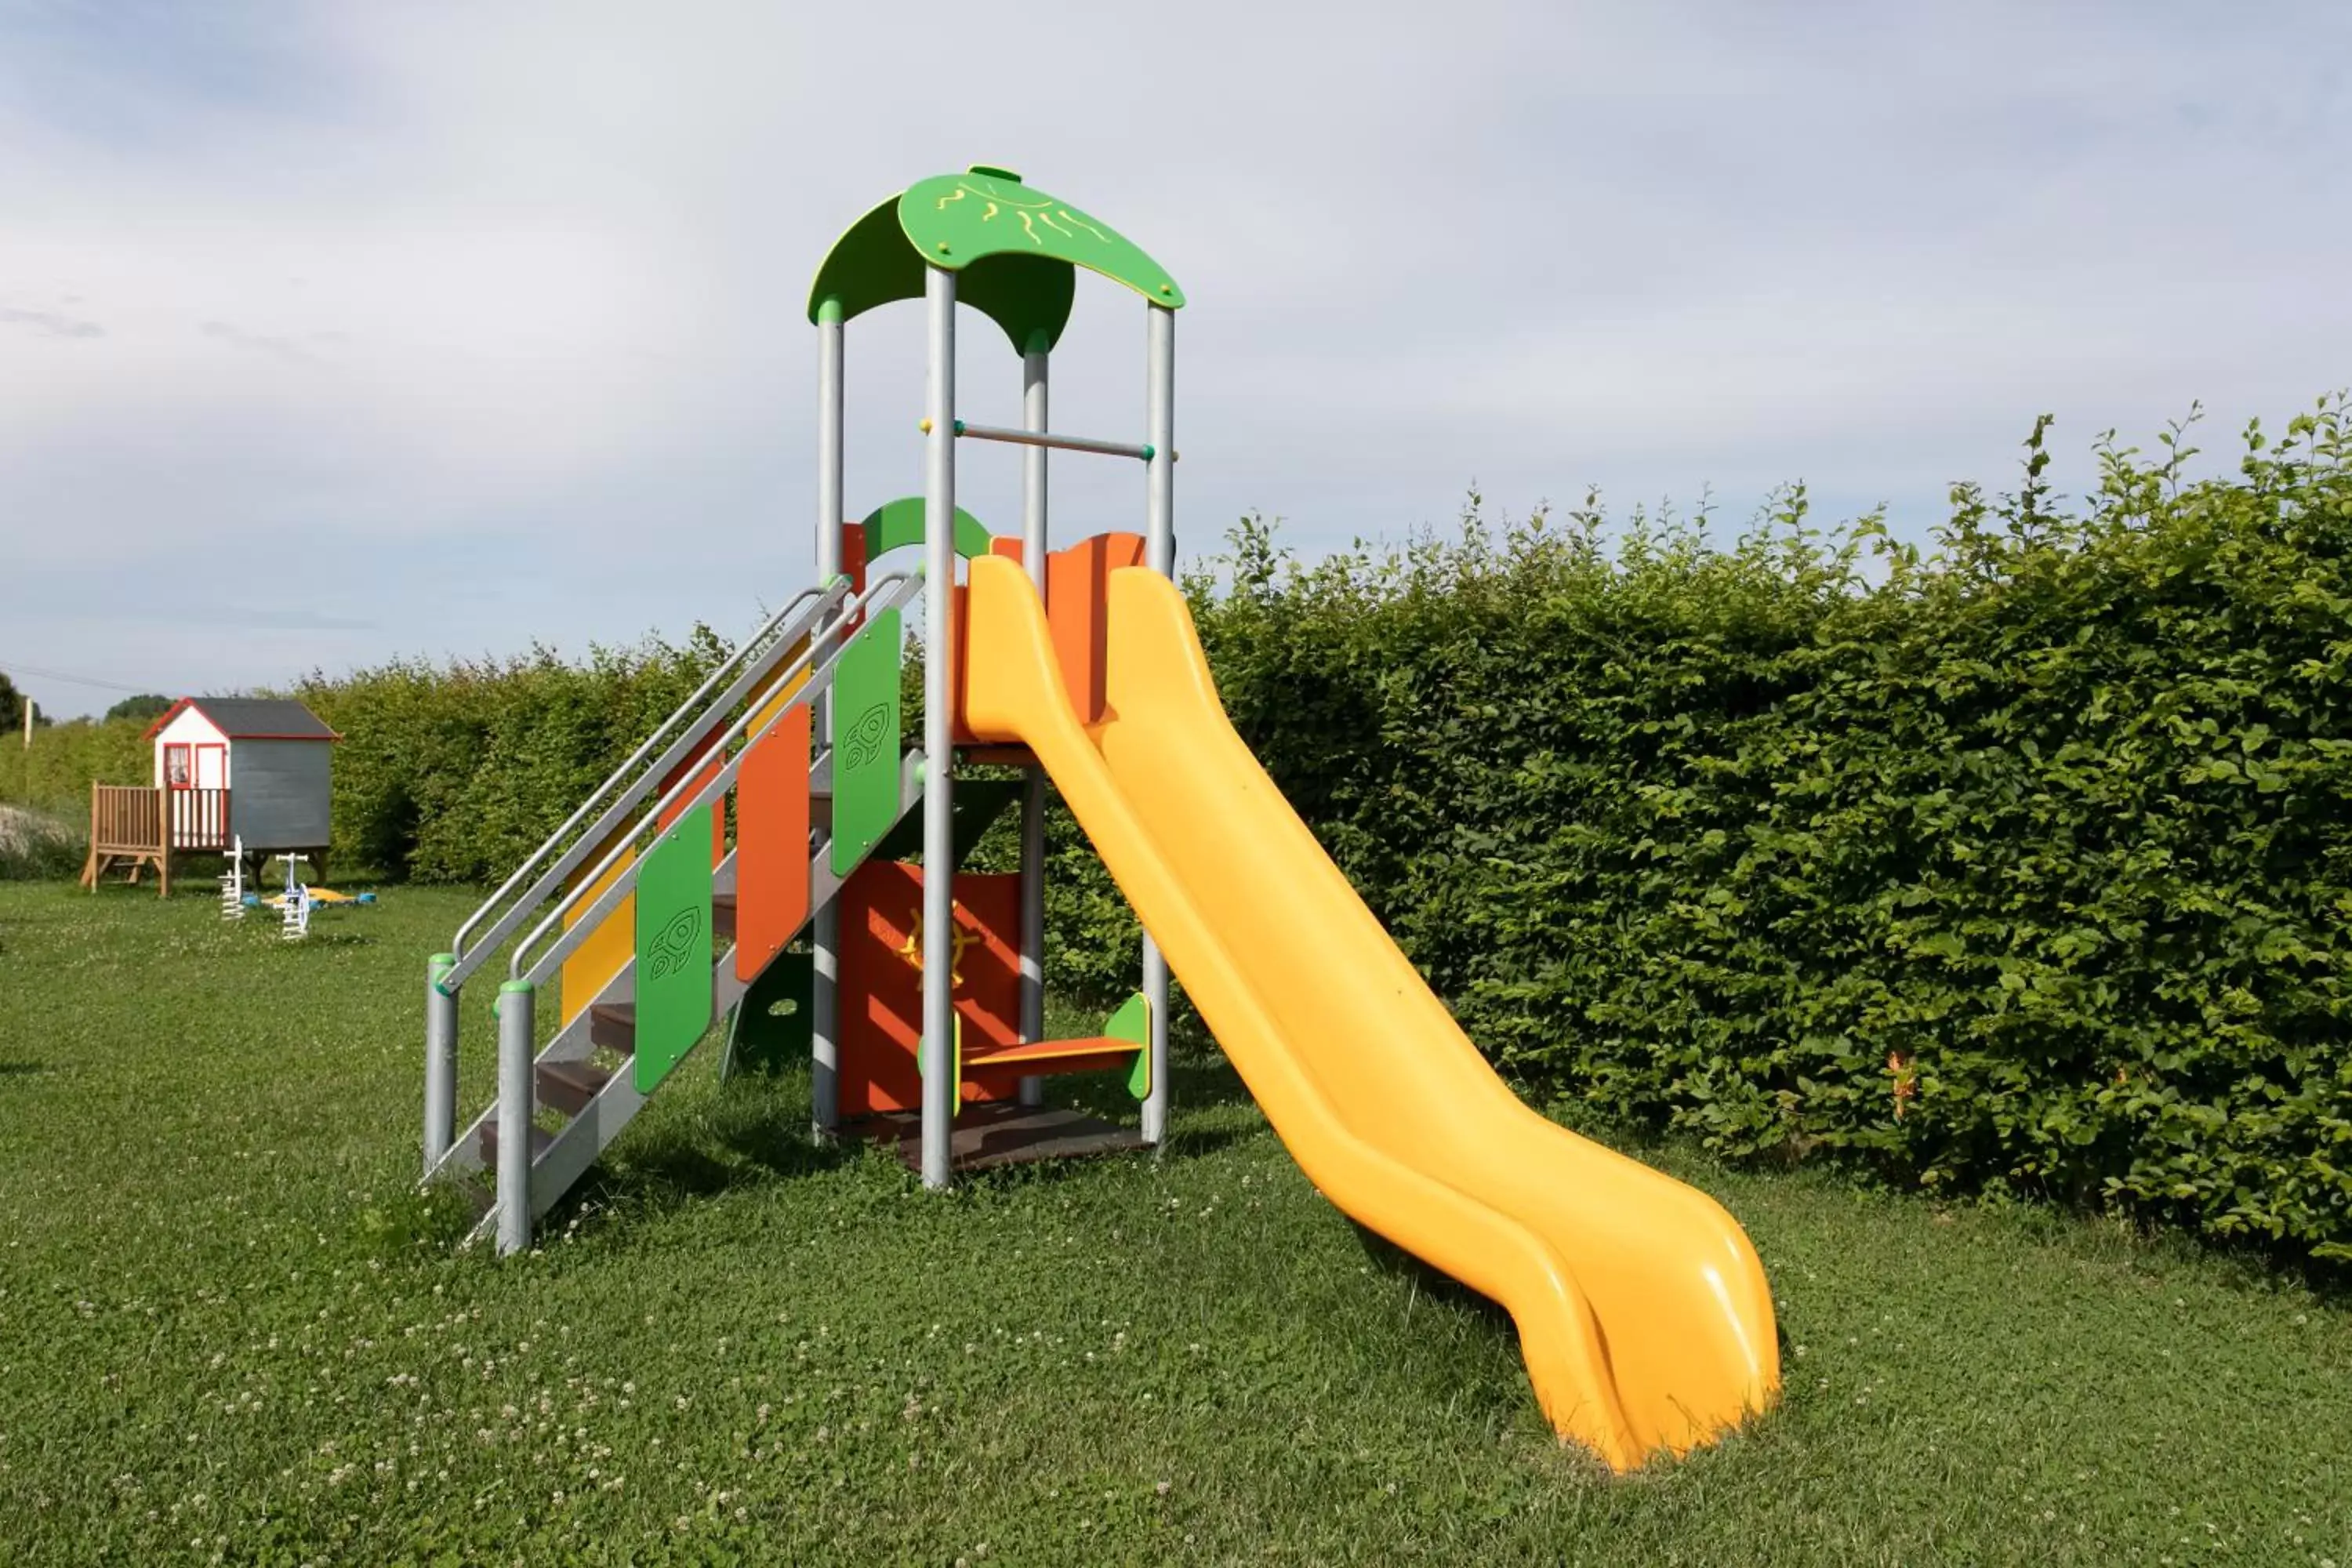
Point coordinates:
[[517, 1039], [1160, 534], [440, 1060], [1034, 536], [825, 993], [938, 735]]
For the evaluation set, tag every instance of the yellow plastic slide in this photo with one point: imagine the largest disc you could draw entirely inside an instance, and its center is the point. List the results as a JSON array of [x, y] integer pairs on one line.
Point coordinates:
[[1642, 1310]]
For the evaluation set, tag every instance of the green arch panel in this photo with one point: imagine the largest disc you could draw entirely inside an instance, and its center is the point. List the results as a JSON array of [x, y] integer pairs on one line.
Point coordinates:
[[900, 523], [1011, 247], [872, 264]]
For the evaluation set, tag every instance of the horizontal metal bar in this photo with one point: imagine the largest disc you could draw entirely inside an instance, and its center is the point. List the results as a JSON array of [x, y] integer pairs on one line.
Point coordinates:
[[903, 586], [1046, 438], [612, 815]]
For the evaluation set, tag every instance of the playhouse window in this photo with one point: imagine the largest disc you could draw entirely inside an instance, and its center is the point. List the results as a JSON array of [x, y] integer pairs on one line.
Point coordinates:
[[177, 771]]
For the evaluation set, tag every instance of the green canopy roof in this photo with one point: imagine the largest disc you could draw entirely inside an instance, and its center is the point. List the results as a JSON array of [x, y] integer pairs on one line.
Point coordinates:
[[1012, 248]]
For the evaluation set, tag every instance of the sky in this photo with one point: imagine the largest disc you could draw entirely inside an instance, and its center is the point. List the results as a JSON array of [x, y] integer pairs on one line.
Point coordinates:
[[329, 333]]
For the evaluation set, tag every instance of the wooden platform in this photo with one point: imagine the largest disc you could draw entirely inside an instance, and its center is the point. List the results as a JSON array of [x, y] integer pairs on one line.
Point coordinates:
[[987, 1136]]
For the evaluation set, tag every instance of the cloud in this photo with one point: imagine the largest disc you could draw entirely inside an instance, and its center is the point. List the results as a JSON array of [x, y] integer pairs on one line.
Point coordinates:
[[542, 270], [278, 348], [52, 323]]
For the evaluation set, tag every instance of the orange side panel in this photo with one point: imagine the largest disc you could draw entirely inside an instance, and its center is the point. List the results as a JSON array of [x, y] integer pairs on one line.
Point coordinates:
[[771, 843], [882, 982], [1077, 590]]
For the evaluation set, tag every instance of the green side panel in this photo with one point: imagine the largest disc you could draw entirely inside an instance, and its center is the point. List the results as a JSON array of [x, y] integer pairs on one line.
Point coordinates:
[[673, 948], [894, 524], [771, 1029], [957, 220], [978, 803], [865, 740], [1132, 1023], [874, 264]]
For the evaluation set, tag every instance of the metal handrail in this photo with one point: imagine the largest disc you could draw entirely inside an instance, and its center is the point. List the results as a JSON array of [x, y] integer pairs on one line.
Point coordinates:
[[820, 679], [770, 640]]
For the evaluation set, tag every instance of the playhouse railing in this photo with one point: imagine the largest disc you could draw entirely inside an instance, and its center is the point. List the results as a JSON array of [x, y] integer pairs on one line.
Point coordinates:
[[200, 818], [569, 846]]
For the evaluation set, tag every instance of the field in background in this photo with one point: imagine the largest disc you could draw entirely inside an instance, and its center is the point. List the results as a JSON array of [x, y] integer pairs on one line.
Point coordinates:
[[227, 1332]]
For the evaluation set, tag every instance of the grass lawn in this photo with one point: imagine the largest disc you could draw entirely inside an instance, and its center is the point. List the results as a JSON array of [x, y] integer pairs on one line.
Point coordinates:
[[227, 1333]]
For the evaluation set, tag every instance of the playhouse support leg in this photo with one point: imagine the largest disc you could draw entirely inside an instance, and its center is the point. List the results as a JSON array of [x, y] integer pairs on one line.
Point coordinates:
[[938, 736], [440, 1060], [825, 993], [516, 1038], [1034, 536], [1160, 534]]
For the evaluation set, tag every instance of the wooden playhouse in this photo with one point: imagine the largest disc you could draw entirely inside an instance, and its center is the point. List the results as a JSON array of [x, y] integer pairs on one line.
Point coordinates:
[[229, 771]]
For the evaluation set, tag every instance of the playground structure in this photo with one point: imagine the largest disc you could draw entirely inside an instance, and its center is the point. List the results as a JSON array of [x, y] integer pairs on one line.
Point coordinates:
[[747, 859]]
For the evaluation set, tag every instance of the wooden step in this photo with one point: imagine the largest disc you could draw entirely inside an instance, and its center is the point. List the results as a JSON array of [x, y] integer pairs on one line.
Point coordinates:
[[539, 1139], [613, 1027], [1002, 1134], [570, 1086]]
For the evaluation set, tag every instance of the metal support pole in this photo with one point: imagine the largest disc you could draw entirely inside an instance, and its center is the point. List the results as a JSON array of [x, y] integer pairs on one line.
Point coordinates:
[[1034, 537], [440, 1060], [1160, 534], [938, 735], [825, 994], [515, 1050]]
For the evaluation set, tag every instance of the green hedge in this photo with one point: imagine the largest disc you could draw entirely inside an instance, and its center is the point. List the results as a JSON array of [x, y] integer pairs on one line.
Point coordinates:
[[55, 772], [2024, 866]]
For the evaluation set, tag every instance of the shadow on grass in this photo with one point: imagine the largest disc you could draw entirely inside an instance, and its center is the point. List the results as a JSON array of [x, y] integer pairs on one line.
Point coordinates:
[[734, 1147], [22, 1069]]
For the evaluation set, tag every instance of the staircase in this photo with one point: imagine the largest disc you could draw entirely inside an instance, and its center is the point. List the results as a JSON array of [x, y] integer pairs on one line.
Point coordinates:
[[562, 1103]]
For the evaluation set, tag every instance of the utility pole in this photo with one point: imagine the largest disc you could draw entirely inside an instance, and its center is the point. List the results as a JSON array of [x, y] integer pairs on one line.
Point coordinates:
[[28, 724]]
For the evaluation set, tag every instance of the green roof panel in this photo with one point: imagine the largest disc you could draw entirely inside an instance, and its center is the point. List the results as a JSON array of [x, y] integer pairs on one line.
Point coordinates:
[[957, 220], [1012, 248]]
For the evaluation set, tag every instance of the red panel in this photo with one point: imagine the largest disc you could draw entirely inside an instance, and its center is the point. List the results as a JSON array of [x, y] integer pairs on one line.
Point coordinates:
[[703, 774], [771, 843], [882, 985], [853, 566]]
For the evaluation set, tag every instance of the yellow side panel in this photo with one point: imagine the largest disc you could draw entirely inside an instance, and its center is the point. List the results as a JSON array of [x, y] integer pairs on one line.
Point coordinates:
[[1643, 1312], [596, 960], [778, 696]]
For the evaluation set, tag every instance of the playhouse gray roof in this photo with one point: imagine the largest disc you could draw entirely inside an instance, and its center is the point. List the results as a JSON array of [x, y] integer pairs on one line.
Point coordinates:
[[254, 718]]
